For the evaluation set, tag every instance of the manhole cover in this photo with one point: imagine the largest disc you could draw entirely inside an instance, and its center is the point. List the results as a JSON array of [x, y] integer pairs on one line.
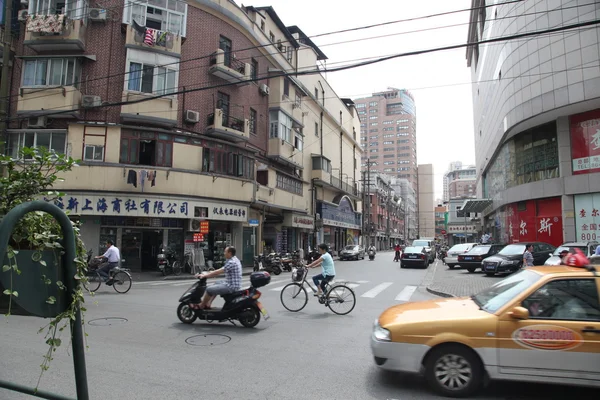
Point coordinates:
[[107, 321], [207, 340]]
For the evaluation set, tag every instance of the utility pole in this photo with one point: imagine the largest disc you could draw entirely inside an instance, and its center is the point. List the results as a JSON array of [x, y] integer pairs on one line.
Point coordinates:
[[4, 76]]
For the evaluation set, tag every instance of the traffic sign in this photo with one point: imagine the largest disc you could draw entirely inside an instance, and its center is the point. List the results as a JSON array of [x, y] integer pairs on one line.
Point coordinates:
[[443, 231], [253, 222]]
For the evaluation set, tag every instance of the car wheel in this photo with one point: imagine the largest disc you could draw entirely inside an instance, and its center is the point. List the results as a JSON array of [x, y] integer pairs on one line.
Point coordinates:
[[451, 266], [471, 270], [454, 370], [401, 265], [490, 273]]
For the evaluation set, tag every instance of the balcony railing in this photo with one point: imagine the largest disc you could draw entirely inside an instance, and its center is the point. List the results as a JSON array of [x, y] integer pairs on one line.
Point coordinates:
[[225, 66], [346, 187], [224, 126], [229, 61], [227, 121]]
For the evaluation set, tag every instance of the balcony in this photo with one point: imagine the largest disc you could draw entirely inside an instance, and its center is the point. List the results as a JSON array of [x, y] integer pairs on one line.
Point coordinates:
[[38, 101], [227, 67], [165, 41], [283, 152], [328, 179], [54, 33], [265, 194], [162, 111], [224, 126]]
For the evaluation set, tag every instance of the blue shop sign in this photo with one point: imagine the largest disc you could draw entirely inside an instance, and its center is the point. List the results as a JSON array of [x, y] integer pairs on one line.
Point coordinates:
[[342, 215]]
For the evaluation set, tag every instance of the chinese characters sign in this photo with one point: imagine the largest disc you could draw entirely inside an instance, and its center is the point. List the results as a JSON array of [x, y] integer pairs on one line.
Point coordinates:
[[342, 216], [585, 142], [539, 221], [298, 221], [461, 229], [141, 206], [587, 216]]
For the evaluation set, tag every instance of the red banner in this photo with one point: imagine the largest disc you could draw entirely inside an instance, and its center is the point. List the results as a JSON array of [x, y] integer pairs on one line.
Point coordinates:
[[585, 142], [537, 221]]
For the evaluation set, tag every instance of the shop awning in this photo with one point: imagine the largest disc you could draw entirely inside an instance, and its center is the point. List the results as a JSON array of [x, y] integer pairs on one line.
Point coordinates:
[[474, 206]]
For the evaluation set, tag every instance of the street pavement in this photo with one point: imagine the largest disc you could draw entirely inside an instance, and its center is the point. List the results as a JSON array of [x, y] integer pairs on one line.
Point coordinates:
[[459, 282], [312, 354]]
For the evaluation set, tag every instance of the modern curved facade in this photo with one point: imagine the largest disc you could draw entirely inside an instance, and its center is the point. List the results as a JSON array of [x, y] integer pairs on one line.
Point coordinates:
[[247, 160], [537, 120]]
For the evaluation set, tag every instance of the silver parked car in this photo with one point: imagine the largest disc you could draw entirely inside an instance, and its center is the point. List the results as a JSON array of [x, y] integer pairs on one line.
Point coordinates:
[[352, 252], [451, 258], [429, 245], [588, 249]]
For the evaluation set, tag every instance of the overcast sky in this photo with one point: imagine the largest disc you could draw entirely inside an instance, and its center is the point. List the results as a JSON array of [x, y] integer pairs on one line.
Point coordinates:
[[440, 82]]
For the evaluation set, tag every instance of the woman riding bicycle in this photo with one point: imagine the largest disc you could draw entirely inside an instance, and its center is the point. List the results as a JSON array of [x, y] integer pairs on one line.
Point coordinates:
[[328, 269]]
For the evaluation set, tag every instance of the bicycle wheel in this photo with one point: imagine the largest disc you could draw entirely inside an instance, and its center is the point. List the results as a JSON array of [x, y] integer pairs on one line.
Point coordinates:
[[343, 296], [177, 268], [94, 281], [122, 282], [295, 294]]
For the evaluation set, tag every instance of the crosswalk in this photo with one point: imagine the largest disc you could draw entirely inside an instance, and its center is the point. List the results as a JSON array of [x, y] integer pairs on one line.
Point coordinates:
[[363, 289]]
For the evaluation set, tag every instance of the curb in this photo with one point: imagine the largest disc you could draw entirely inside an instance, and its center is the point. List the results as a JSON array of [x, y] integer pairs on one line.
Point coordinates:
[[438, 293], [430, 277], [191, 277]]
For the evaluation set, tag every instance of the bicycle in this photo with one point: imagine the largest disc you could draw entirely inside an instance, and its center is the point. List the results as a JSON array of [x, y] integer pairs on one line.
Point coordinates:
[[121, 280], [332, 295]]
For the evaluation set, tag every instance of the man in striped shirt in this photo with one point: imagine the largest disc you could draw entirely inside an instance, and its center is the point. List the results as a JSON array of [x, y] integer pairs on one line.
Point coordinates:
[[232, 283]]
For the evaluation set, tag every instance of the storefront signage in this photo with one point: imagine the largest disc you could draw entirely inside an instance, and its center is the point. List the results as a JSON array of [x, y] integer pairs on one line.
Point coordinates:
[[453, 229], [585, 142], [198, 237], [204, 227], [298, 221], [342, 216], [587, 216], [150, 206]]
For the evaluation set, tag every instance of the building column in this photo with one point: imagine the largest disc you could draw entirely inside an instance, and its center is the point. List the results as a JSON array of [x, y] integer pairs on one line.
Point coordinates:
[[568, 218], [563, 138]]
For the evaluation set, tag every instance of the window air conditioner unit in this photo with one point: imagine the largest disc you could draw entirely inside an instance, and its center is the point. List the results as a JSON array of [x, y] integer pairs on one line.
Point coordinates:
[[192, 116], [97, 14], [264, 89], [90, 101], [194, 225], [22, 15], [36, 122]]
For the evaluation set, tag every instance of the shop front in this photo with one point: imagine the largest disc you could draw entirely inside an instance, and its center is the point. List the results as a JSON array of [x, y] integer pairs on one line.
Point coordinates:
[[461, 233], [142, 225], [587, 217], [299, 228], [341, 224]]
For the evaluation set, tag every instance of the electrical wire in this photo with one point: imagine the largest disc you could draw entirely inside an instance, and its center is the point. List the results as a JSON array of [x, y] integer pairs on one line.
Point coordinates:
[[318, 71], [329, 44]]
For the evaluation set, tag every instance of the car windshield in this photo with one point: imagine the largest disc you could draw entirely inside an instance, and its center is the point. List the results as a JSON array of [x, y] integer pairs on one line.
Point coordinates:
[[570, 249], [512, 250], [420, 243], [413, 250], [351, 247], [479, 250], [460, 247], [498, 295]]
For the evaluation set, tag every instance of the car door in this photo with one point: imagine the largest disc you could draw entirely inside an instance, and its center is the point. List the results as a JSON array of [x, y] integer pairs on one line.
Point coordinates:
[[540, 253], [561, 336], [494, 249]]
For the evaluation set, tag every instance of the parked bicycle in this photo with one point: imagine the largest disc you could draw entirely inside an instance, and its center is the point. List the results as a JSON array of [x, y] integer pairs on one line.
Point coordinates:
[[335, 294], [120, 277]]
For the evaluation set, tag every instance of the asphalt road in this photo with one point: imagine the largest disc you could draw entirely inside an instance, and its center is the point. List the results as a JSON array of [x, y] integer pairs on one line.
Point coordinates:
[[313, 354]]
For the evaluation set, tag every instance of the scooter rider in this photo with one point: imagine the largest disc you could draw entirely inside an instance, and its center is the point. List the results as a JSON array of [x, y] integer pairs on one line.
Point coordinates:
[[231, 284]]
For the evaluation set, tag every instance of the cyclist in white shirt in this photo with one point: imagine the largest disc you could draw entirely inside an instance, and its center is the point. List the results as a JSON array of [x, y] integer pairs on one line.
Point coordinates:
[[113, 256]]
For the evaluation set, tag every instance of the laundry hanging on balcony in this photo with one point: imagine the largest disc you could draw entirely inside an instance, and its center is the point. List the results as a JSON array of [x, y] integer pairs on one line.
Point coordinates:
[[46, 23]]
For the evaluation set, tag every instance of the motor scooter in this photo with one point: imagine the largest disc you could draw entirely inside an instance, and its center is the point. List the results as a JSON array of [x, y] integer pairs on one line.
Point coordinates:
[[242, 306], [371, 255]]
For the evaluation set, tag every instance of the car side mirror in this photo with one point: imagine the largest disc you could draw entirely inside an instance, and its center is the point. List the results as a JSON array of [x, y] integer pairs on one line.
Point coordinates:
[[519, 313], [550, 254]]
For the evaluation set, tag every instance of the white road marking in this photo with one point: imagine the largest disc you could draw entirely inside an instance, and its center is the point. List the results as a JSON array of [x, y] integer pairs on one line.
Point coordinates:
[[352, 285], [406, 293], [161, 283], [362, 281], [189, 283], [278, 289], [377, 289]]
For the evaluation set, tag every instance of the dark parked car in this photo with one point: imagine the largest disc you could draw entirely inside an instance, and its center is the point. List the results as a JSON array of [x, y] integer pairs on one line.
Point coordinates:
[[472, 259], [510, 258], [414, 257], [352, 252]]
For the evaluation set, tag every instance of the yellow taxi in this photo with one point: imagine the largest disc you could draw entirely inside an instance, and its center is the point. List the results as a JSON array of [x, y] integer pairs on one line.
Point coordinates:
[[539, 325]]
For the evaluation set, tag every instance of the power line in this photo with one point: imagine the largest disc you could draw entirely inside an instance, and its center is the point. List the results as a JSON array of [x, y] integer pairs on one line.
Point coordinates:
[[352, 66], [329, 44]]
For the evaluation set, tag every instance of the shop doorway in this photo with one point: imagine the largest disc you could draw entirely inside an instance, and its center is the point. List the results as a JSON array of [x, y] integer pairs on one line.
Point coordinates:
[[131, 245], [248, 248], [151, 244]]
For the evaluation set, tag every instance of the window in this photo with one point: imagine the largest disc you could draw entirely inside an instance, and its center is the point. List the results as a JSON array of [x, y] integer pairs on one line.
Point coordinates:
[[388, 142], [388, 149], [271, 37], [389, 156], [388, 163], [225, 161], [373, 124], [262, 25], [373, 104], [404, 169], [402, 134], [321, 164], [253, 121], [403, 162], [403, 141], [373, 130], [388, 135], [52, 72], [374, 137], [281, 126], [289, 184], [373, 111], [290, 53], [317, 94], [254, 69], [388, 130], [163, 15], [360, 105], [373, 151], [373, 144], [74, 9], [146, 148], [388, 122], [286, 87], [317, 129], [566, 299], [404, 155], [93, 152], [373, 117], [298, 140], [148, 78], [298, 101], [51, 140], [401, 121], [388, 169]]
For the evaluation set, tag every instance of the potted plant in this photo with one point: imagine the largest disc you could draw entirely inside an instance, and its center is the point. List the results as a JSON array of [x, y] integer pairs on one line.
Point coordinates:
[[32, 273]]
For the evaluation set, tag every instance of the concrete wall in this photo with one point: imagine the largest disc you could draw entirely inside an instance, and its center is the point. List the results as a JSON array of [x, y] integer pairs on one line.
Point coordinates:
[[426, 201]]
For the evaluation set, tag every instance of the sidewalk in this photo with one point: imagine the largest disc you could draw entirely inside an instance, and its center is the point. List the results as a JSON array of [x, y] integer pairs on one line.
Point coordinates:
[[157, 276], [457, 282]]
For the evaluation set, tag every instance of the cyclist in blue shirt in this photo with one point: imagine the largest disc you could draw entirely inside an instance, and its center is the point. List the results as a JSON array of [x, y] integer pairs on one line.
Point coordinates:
[[328, 269]]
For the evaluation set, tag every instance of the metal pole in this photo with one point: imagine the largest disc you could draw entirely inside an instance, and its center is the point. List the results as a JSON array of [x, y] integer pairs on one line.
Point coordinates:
[[5, 75]]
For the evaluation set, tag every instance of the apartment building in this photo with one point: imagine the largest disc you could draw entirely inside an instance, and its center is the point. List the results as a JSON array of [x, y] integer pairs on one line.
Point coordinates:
[[384, 215], [389, 134], [409, 206], [460, 181], [191, 128], [440, 222], [425, 200]]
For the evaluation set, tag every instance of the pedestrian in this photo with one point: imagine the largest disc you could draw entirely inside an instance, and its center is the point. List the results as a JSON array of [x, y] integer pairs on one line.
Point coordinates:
[[527, 256], [397, 252], [113, 256]]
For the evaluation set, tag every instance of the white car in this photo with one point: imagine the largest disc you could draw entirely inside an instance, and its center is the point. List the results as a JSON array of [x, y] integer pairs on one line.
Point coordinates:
[[451, 258]]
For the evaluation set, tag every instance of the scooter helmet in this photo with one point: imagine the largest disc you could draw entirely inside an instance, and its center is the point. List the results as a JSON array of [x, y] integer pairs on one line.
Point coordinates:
[[576, 259]]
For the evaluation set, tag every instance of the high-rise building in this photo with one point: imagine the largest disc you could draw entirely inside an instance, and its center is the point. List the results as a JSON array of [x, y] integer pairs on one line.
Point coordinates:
[[388, 133], [426, 205], [460, 181], [409, 206]]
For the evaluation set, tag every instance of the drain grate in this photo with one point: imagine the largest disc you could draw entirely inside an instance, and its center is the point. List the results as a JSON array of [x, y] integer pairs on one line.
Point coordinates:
[[208, 340], [107, 321]]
